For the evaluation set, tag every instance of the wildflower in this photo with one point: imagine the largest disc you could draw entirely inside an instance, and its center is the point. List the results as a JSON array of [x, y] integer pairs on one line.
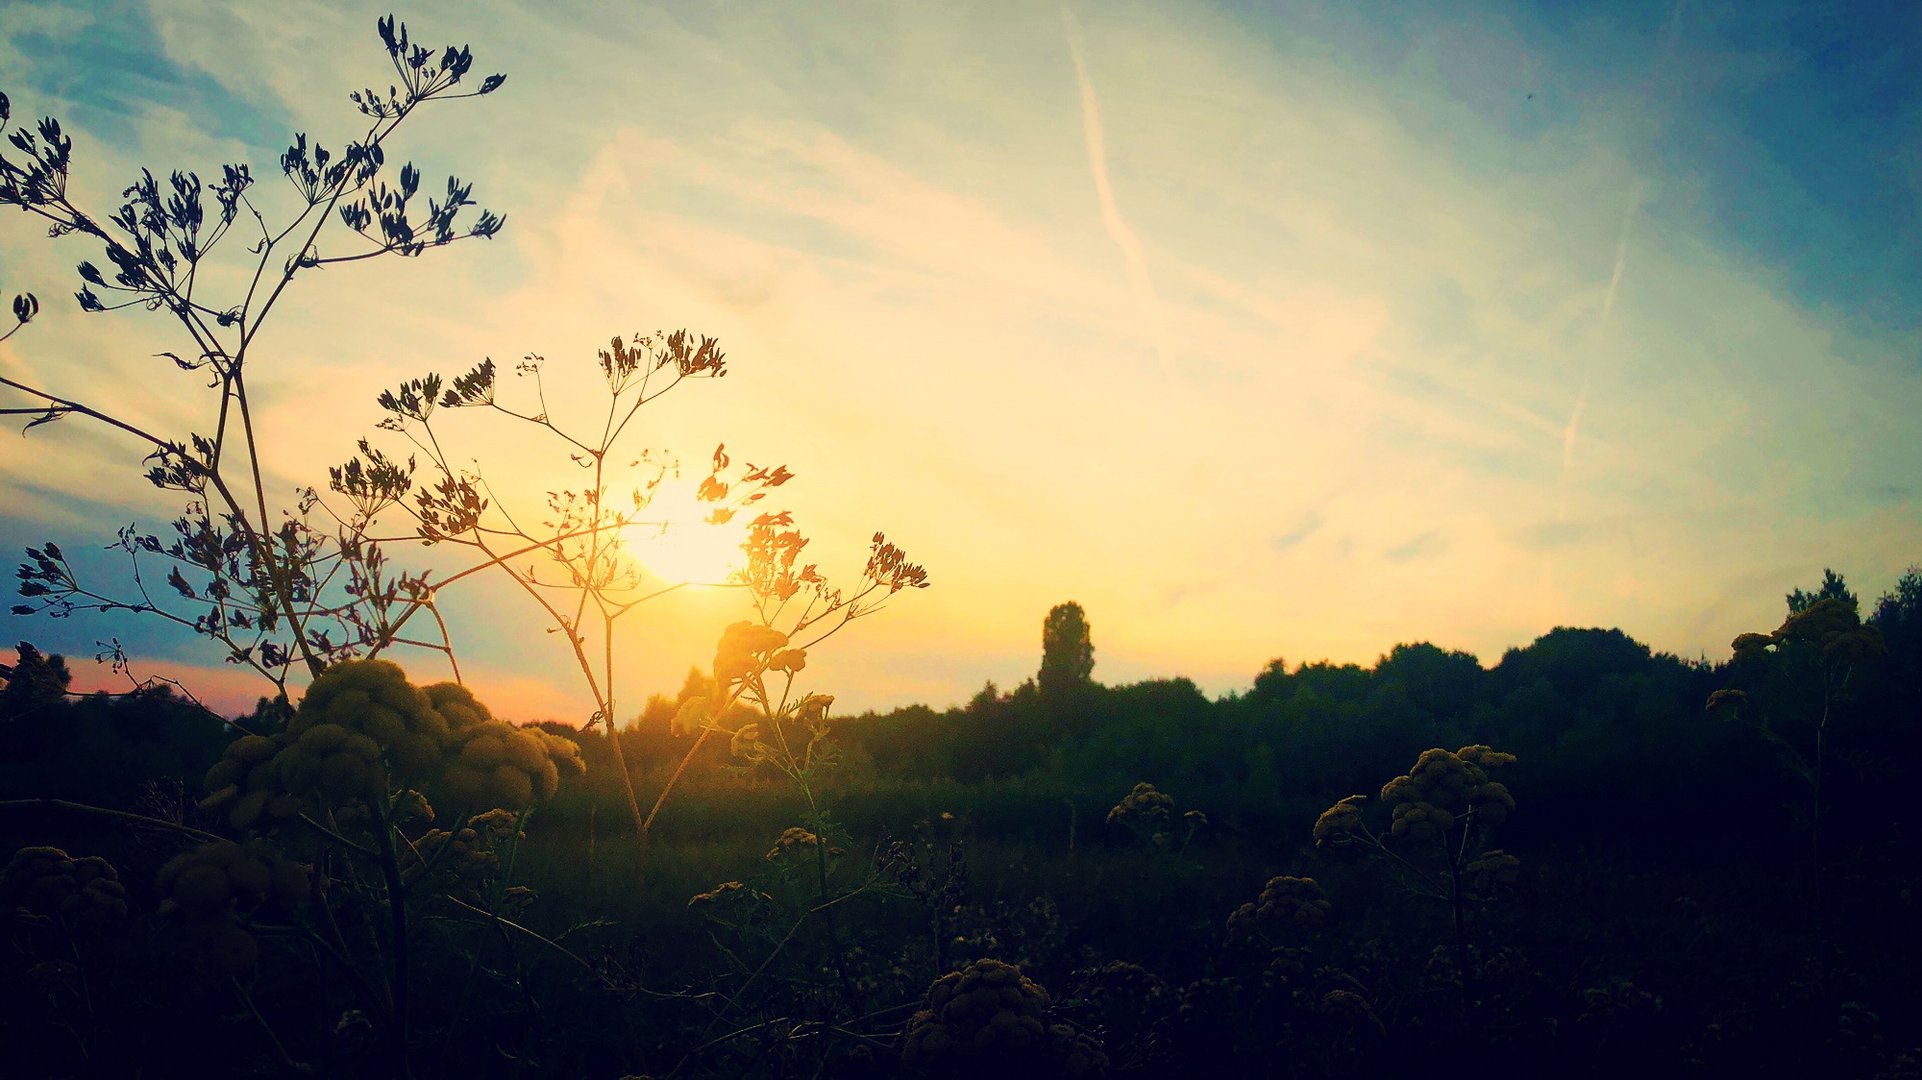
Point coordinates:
[[49, 882], [1750, 646], [1445, 786], [1339, 820], [691, 716], [208, 891], [792, 840], [1351, 1010], [498, 765], [1492, 870], [1296, 902], [1731, 698], [1144, 812], [744, 649], [412, 806], [989, 1013], [813, 710]]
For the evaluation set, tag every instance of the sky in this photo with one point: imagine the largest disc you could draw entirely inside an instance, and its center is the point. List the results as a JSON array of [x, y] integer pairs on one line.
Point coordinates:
[[1260, 330]]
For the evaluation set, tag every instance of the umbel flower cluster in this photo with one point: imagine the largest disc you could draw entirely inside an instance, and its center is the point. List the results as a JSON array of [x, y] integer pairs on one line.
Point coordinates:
[[1492, 871], [1441, 791], [47, 881], [214, 891], [1829, 624], [733, 903], [472, 852], [796, 839], [990, 1015], [1287, 905], [363, 731], [746, 652], [1148, 813], [1144, 810], [748, 647], [1444, 787]]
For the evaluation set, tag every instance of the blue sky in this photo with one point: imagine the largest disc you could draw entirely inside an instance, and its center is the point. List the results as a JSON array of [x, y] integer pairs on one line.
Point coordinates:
[[1259, 329]]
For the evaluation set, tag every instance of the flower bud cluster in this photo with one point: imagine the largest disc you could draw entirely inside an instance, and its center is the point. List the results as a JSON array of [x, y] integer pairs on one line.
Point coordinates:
[[1144, 812], [797, 839], [735, 905], [1293, 905], [1340, 820], [1493, 870], [245, 782], [729, 895], [362, 731], [361, 726], [475, 847], [1828, 623], [1287, 966], [498, 765], [47, 881], [210, 890], [1444, 787], [989, 1014], [1346, 1008], [747, 647]]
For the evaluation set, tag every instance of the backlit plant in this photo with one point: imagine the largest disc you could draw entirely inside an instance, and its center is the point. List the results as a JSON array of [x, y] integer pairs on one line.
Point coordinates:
[[1443, 813]]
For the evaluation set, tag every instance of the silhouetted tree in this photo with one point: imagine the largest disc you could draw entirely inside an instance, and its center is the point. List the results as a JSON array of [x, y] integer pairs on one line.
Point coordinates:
[[35, 681], [1898, 615], [1832, 588], [1442, 684], [1067, 650]]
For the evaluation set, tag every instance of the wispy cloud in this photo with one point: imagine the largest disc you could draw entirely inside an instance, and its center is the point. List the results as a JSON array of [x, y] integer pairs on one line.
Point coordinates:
[[1421, 546], [1294, 537], [1573, 428]]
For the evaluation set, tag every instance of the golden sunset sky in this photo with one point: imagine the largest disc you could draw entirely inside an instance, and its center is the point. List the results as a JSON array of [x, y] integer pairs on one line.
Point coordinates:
[[1258, 330]]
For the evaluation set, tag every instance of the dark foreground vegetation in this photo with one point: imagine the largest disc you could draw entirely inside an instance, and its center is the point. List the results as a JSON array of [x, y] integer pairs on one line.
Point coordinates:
[[1066, 879]]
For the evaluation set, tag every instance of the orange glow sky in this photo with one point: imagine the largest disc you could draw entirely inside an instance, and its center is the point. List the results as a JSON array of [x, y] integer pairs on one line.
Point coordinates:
[[1259, 334]]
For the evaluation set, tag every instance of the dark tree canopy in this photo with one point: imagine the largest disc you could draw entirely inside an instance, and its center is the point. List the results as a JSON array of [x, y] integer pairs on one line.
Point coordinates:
[[35, 681], [1832, 588], [1067, 649]]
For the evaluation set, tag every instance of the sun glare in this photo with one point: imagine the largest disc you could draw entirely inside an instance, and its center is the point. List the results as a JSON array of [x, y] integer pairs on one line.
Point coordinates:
[[674, 543]]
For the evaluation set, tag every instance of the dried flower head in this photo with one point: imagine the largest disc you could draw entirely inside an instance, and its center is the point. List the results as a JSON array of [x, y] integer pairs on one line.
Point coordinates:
[[989, 1015], [1145, 812], [1340, 820], [49, 882]]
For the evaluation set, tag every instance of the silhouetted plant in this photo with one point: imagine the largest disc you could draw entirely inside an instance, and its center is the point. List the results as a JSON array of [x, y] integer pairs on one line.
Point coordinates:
[[264, 581], [1444, 812], [1148, 816], [313, 584], [1822, 643]]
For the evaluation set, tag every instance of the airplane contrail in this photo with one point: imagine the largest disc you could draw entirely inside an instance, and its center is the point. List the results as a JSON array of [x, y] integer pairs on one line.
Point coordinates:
[[1118, 228], [1573, 428]]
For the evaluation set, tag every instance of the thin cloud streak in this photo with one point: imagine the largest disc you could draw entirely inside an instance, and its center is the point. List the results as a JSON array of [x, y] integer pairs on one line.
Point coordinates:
[[1573, 428], [1117, 226]]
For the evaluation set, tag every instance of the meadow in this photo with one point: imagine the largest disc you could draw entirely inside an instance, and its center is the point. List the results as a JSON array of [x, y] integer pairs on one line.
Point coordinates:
[[1660, 910]]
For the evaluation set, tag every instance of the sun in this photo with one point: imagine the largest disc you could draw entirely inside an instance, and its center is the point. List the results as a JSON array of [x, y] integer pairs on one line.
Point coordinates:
[[674, 544]]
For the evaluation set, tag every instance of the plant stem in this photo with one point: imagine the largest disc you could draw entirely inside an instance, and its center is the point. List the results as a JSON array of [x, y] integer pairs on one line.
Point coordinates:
[[101, 811], [397, 910]]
